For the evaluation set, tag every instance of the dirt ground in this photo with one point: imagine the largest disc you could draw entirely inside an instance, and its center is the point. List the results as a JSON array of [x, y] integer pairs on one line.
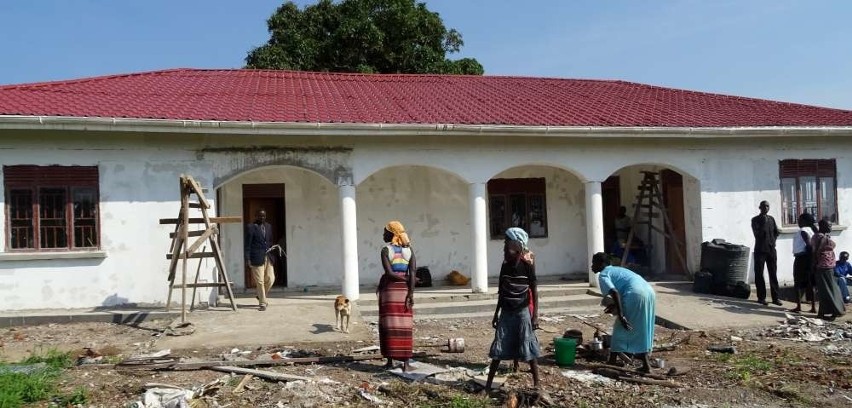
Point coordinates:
[[766, 371]]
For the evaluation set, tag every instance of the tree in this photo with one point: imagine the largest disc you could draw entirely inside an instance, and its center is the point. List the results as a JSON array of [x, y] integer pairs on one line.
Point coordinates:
[[368, 36]]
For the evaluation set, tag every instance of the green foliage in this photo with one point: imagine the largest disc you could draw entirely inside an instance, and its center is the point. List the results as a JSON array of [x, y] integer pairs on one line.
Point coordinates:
[[367, 36], [460, 401], [17, 389], [745, 367], [79, 397], [54, 359]]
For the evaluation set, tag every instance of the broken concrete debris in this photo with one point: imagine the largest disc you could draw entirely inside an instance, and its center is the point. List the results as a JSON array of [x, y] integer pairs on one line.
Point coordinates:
[[801, 328]]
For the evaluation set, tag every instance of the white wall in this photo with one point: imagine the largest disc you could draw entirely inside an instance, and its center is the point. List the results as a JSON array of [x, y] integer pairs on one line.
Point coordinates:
[[563, 252], [433, 207], [423, 182], [134, 194], [736, 179], [314, 243]]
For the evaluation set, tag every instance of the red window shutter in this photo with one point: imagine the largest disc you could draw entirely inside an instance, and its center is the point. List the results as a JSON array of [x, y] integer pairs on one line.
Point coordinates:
[[808, 167], [510, 186], [46, 175]]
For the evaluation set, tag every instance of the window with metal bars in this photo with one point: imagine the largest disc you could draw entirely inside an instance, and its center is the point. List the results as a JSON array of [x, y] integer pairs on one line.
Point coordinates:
[[51, 208], [519, 202], [808, 186]]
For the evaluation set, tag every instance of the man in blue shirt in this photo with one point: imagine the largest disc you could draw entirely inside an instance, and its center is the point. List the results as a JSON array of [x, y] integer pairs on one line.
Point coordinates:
[[841, 270]]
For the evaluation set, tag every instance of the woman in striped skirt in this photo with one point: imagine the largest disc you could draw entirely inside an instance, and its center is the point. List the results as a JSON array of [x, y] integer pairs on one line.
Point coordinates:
[[396, 296]]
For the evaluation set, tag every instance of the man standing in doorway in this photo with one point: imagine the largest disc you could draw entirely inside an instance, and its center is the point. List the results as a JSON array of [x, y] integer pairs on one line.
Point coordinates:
[[765, 233], [257, 242]]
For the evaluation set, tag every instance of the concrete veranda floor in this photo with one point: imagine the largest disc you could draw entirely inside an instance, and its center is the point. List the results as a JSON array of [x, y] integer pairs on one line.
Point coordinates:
[[298, 316]]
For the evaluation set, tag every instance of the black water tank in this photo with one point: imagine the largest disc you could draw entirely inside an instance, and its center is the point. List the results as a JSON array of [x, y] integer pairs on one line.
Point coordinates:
[[727, 262]]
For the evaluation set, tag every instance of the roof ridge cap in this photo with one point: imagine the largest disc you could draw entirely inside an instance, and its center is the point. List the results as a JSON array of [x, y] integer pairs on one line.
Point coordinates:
[[92, 78], [726, 95]]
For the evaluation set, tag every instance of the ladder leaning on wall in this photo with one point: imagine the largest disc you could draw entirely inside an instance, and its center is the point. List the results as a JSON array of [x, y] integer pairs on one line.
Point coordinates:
[[181, 250], [650, 197]]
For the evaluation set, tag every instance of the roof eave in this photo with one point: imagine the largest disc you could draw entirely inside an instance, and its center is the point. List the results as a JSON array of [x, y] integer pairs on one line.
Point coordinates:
[[20, 122]]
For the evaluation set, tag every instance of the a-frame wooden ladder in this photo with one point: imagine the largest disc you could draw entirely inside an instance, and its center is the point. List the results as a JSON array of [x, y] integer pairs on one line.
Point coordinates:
[[650, 197], [182, 250]]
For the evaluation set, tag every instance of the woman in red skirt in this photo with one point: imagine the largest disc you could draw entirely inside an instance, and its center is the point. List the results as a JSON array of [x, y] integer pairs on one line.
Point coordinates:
[[396, 296]]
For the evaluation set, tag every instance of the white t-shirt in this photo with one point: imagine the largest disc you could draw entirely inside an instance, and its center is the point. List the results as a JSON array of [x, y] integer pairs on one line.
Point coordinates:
[[799, 245]]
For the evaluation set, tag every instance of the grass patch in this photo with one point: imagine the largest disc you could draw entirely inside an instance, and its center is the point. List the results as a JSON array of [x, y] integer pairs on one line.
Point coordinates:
[[790, 393], [460, 401], [745, 367], [33, 379]]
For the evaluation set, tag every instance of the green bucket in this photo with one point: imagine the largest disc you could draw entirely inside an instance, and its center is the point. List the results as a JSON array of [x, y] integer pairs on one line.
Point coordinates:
[[566, 350]]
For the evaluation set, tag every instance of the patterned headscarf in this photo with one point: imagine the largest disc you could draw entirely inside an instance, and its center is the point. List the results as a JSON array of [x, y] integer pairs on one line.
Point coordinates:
[[519, 235], [400, 238]]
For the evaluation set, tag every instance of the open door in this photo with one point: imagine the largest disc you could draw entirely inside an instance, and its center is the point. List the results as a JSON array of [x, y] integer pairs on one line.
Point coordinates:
[[270, 198], [673, 200], [611, 197]]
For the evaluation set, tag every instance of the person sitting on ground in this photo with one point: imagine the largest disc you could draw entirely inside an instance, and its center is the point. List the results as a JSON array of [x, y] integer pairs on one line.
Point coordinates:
[[830, 300], [803, 276], [514, 337], [633, 303], [841, 270]]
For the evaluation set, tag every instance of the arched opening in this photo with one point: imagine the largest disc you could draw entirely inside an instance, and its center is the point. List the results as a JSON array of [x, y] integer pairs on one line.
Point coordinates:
[[549, 203], [433, 205], [662, 207], [303, 210]]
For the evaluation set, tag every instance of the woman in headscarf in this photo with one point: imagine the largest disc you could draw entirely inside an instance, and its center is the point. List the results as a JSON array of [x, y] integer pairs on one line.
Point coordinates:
[[633, 303], [514, 338], [520, 236], [803, 276], [830, 300], [396, 296]]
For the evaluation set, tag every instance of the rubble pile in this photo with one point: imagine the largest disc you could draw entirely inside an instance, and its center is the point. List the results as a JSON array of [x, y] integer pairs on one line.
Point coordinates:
[[801, 328]]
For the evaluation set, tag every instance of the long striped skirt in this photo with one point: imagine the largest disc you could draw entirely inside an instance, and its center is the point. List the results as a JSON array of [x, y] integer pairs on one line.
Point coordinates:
[[396, 323]]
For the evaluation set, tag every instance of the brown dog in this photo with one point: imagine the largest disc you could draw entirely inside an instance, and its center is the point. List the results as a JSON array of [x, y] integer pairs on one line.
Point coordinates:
[[342, 308]]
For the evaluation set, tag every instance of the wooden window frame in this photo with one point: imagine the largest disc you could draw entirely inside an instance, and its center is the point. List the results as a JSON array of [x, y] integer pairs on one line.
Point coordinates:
[[526, 189], [37, 178], [818, 169]]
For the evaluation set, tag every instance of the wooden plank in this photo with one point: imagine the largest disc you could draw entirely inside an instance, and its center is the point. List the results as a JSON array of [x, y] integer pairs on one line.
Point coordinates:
[[283, 361], [200, 285], [267, 375], [241, 385], [193, 185], [195, 255], [177, 245], [189, 234], [210, 231], [215, 220]]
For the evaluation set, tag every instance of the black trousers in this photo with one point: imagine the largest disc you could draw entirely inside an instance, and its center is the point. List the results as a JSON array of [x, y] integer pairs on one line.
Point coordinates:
[[771, 261]]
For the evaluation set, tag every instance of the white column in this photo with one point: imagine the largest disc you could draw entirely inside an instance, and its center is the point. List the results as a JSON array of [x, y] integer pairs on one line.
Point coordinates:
[[594, 225], [350, 241], [479, 231]]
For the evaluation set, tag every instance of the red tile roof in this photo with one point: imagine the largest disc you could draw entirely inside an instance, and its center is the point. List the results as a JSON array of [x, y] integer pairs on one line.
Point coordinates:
[[312, 97]]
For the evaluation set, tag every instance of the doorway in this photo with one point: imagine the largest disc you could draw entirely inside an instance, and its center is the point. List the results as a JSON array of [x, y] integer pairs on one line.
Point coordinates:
[[611, 197], [673, 200], [270, 198]]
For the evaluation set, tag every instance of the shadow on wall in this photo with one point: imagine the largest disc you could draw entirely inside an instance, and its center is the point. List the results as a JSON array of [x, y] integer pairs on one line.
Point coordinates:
[[114, 300]]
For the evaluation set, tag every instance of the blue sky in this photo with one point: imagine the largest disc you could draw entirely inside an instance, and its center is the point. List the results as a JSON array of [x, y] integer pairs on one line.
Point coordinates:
[[797, 51]]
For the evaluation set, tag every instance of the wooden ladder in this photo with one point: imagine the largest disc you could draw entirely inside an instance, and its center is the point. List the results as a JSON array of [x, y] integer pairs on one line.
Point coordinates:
[[650, 197], [181, 250]]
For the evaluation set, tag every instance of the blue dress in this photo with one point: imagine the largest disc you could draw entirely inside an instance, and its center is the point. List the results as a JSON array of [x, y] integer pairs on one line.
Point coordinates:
[[638, 300]]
